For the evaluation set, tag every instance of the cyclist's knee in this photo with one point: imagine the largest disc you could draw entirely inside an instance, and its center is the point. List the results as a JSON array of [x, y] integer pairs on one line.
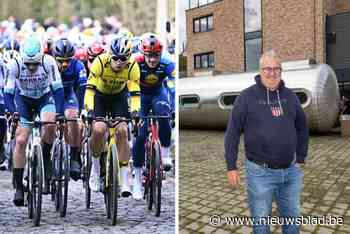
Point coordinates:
[[21, 137], [122, 131], [71, 113], [99, 130]]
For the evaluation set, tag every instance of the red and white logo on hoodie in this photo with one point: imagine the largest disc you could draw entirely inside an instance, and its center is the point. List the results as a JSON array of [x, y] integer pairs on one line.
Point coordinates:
[[276, 111]]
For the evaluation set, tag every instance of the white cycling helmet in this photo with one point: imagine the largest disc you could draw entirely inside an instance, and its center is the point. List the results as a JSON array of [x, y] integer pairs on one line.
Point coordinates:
[[31, 50]]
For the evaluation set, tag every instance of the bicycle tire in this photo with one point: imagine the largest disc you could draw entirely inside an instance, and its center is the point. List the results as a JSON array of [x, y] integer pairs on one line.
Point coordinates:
[[151, 172], [57, 161], [38, 174], [86, 161], [157, 181], [29, 188], [114, 184], [66, 166]]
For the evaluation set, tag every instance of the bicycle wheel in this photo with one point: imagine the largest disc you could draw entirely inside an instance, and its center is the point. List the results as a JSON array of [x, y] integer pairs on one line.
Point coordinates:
[[65, 179], [157, 179], [150, 177], [29, 187], [113, 184], [86, 162], [57, 170], [37, 183]]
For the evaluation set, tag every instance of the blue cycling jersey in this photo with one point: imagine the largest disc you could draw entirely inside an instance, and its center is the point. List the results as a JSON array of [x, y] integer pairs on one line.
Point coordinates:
[[151, 80], [74, 81]]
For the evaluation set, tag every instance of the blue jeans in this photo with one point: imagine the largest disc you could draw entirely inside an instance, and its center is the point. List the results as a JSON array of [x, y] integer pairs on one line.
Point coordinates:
[[282, 185]]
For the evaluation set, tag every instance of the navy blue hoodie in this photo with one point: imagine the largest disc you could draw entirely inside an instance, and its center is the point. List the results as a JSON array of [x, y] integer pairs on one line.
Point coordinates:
[[273, 123]]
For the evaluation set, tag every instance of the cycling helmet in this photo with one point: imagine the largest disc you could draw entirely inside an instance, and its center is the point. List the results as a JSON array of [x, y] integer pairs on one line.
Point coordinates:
[[151, 44], [31, 50], [136, 41], [63, 48], [80, 54], [121, 46], [95, 49]]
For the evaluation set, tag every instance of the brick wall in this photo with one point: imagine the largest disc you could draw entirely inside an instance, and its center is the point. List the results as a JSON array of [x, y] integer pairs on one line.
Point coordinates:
[[226, 39], [294, 28]]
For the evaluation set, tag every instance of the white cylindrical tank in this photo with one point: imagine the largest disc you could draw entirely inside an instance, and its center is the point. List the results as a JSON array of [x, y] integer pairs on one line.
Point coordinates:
[[206, 102]]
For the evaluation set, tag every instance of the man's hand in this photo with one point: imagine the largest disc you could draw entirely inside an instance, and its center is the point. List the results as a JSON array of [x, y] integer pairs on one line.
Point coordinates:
[[233, 177]]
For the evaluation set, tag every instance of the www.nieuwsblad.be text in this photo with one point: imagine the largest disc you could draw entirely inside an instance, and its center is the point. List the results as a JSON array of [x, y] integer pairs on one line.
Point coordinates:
[[218, 220]]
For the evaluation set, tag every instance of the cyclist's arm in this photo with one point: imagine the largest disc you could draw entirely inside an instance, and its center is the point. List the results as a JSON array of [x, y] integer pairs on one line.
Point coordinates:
[[80, 83], [134, 73], [56, 84], [95, 72], [10, 85]]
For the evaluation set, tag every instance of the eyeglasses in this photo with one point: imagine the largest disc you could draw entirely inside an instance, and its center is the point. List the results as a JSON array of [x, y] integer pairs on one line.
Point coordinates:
[[122, 58], [63, 60], [270, 70]]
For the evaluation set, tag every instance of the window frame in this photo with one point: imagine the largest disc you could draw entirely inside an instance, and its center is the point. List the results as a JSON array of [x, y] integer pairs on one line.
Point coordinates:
[[206, 56], [206, 27]]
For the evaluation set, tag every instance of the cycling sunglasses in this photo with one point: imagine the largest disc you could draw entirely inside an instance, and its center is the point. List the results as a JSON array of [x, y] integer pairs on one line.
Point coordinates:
[[122, 58], [62, 60]]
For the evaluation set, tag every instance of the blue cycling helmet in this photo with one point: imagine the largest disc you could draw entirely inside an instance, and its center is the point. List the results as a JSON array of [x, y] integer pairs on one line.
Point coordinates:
[[31, 50], [121, 46]]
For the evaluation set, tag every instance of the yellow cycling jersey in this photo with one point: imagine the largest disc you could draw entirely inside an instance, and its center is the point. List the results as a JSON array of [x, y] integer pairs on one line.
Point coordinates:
[[106, 81]]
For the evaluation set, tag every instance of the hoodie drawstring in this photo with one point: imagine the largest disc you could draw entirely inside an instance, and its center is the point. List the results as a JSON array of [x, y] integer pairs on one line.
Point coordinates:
[[267, 95], [278, 98], [279, 101]]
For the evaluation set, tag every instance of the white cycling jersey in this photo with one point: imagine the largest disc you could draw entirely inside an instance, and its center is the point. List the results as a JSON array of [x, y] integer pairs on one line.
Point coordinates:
[[33, 85]]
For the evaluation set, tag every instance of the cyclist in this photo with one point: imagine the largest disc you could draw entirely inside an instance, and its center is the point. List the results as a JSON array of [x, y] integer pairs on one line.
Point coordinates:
[[107, 92], [11, 50], [94, 50], [81, 55], [155, 68], [35, 84], [2, 111], [73, 75]]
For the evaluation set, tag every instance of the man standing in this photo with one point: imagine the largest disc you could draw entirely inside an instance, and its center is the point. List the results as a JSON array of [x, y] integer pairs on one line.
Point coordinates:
[[276, 142]]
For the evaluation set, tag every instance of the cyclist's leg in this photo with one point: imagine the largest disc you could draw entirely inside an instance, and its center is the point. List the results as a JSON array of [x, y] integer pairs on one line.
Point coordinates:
[[160, 106], [22, 134], [97, 142], [139, 148], [71, 107], [120, 107], [48, 134]]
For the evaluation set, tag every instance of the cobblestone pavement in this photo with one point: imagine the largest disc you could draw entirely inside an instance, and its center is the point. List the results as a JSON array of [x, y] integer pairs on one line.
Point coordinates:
[[204, 190], [132, 215]]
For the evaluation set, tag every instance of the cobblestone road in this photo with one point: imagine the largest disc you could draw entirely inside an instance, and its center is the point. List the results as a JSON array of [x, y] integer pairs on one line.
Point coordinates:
[[204, 190], [132, 215]]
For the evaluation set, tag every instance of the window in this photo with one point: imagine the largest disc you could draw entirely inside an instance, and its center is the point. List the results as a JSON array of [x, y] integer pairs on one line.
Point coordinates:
[[198, 3], [203, 24], [205, 60], [252, 29]]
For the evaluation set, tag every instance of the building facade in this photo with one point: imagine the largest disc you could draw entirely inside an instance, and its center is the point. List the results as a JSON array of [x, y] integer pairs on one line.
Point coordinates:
[[226, 36]]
